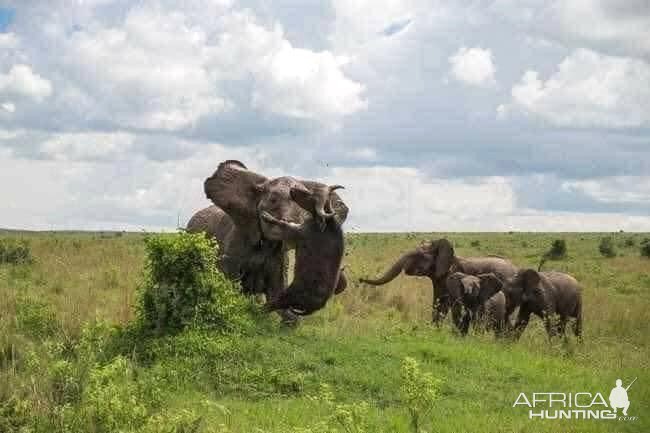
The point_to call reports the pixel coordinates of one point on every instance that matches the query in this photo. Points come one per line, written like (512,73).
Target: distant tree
(558,251)
(606,247)
(645,248)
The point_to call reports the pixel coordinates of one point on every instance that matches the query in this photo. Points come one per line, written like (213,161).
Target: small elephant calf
(548,294)
(480,297)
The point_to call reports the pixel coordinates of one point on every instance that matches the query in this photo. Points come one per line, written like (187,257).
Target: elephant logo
(618,397)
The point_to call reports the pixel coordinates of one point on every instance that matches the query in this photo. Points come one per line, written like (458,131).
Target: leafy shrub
(629,242)
(65,382)
(475,243)
(645,248)
(15,414)
(419,391)
(35,318)
(558,250)
(184,421)
(15,252)
(111,399)
(343,417)
(606,247)
(183,287)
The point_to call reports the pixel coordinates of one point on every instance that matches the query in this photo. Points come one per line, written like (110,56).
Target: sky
(503,115)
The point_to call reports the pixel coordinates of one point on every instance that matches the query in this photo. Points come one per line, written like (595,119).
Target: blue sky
(436,116)
(6,16)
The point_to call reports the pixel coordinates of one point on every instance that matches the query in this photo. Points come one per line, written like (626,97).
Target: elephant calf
(481,298)
(548,294)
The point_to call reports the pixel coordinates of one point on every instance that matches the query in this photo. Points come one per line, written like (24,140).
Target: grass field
(64,348)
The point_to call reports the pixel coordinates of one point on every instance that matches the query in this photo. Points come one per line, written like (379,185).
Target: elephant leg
(276,285)
(561,326)
(467,319)
(522,321)
(457,314)
(341,284)
(577,328)
(550,327)
(440,309)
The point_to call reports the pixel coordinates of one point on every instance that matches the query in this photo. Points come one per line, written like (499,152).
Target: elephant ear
(490,285)
(530,279)
(455,286)
(236,190)
(444,257)
(469,285)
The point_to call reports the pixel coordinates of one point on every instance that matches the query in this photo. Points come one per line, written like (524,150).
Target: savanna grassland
(70,360)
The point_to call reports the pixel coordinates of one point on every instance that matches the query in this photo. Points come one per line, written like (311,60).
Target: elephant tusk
(266,216)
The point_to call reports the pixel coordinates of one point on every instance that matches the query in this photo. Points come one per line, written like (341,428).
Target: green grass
(267,381)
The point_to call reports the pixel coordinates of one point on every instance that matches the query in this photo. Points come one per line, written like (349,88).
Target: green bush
(475,244)
(419,391)
(629,242)
(35,318)
(558,250)
(182,287)
(112,400)
(15,414)
(15,252)
(606,247)
(645,248)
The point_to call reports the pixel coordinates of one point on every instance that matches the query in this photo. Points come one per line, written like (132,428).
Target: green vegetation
(558,250)
(75,356)
(14,251)
(645,248)
(182,287)
(606,247)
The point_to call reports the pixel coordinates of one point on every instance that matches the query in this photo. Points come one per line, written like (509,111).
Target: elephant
(319,251)
(436,260)
(253,220)
(481,299)
(547,294)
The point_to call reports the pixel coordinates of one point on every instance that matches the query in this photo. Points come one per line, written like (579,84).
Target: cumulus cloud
(21,81)
(618,27)
(87,146)
(473,66)
(404,198)
(614,189)
(588,89)
(155,67)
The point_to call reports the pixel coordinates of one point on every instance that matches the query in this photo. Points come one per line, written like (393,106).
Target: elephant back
(211,220)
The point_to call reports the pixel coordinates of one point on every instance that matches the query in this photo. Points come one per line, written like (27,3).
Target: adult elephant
(437,260)
(252,220)
(477,298)
(548,294)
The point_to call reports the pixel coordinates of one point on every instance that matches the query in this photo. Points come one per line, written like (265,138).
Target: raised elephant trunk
(322,201)
(391,273)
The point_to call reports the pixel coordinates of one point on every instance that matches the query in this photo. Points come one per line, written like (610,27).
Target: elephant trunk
(323,205)
(391,273)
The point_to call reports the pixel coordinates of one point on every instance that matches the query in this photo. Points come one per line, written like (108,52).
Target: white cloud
(404,199)
(613,189)
(8,106)
(21,81)
(166,69)
(473,66)
(87,146)
(8,41)
(589,90)
(618,27)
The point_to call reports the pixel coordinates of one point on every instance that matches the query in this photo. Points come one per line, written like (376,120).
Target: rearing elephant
(252,220)
(436,260)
